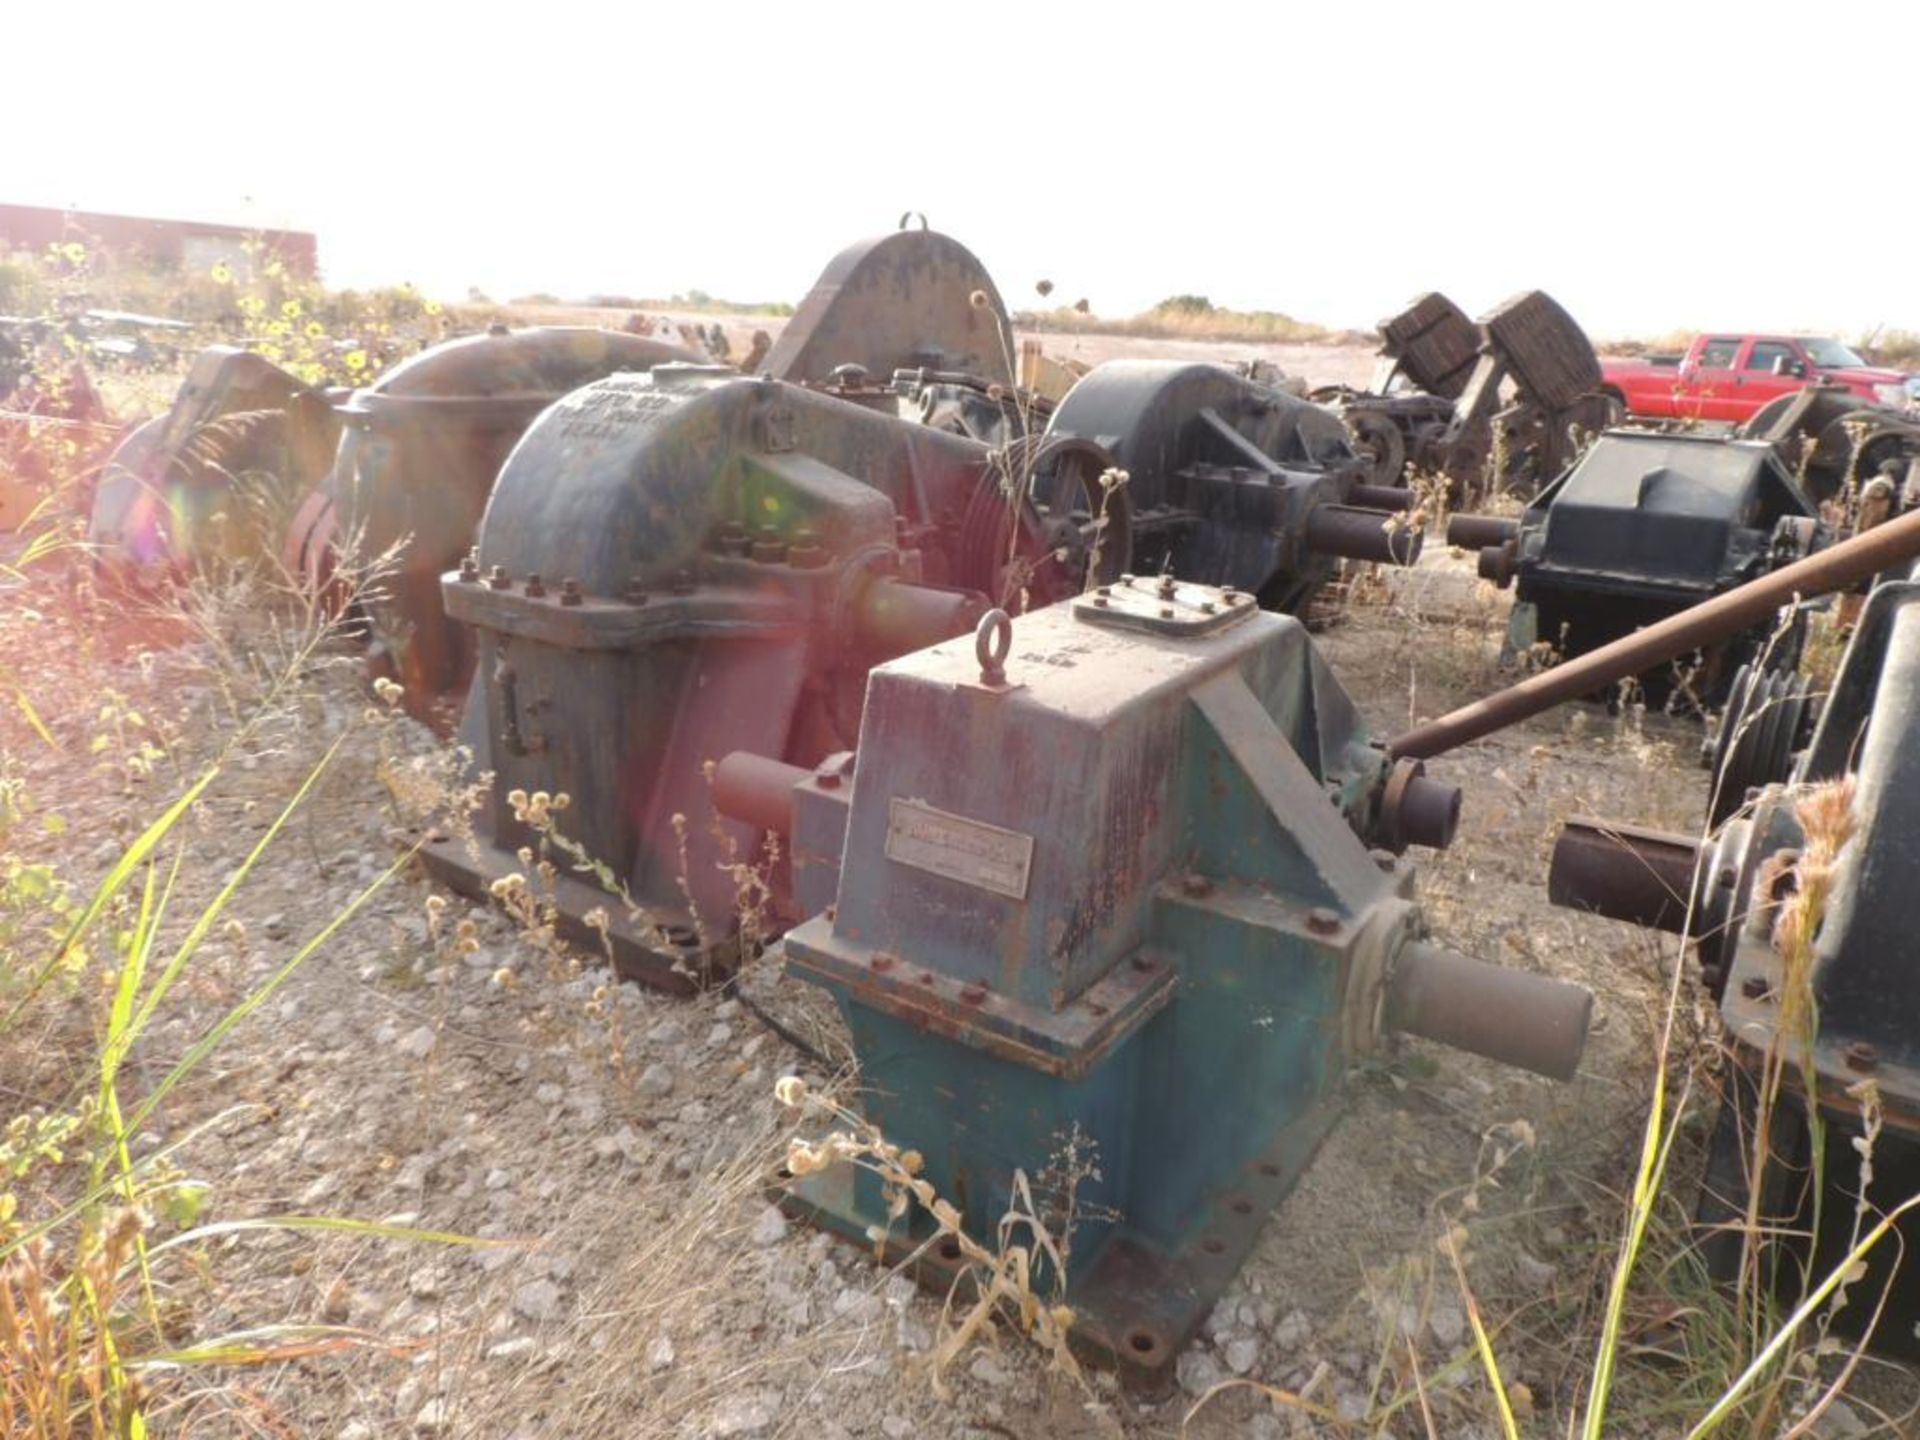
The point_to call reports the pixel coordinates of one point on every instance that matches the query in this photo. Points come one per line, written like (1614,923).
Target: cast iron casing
(1224,473)
(418,459)
(166,501)
(1645,525)
(1865,983)
(1120,894)
(673,567)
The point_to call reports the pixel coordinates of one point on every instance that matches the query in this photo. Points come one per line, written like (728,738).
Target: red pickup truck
(1729,377)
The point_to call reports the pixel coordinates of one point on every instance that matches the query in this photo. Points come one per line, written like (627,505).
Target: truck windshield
(1831,354)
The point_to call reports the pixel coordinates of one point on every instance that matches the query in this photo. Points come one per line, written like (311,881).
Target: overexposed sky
(1653,165)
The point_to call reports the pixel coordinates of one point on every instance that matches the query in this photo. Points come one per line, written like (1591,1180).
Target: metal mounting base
(664,956)
(1140,1305)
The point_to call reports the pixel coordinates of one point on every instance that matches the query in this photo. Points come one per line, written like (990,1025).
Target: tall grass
(101,1232)
(1763,1374)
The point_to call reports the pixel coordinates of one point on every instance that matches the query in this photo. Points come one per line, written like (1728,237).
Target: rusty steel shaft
(1386,498)
(1513,1016)
(1478,532)
(1358,534)
(758,790)
(1865,555)
(1644,877)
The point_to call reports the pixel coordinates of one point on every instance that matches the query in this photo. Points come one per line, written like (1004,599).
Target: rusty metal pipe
(1643,877)
(1390,498)
(1358,534)
(1865,555)
(1513,1016)
(897,617)
(1415,810)
(1477,532)
(757,790)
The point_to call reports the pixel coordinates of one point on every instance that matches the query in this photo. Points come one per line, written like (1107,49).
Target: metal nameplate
(984,856)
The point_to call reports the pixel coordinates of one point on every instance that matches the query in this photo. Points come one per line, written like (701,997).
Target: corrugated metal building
(192,245)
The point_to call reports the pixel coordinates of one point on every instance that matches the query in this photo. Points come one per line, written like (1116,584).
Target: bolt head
(1196,885)
(1322,921)
(1861,1055)
(1754,987)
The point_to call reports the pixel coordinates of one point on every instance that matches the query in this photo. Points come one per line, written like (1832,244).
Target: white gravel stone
(1534,1274)
(660,1353)
(770,1229)
(1243,1353)
(751,1413)
(424,1283)
(1293,1331)
(1839,1421)
(1197,1371)
(989,1371)
(418,1043)
(1220,1322)
(537,1299)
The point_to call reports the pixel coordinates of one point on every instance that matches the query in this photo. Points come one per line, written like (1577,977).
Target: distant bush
(701,303)
(1193,317)
(19,287)
(339,337)
(1672,342)
(1897,348)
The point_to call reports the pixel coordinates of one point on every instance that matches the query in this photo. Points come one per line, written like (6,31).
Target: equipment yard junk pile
(1119,870)
(484,1093)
